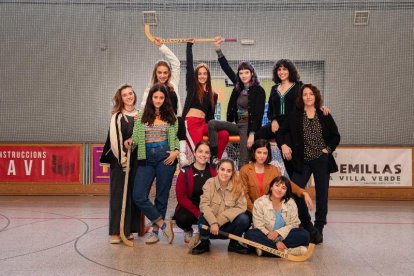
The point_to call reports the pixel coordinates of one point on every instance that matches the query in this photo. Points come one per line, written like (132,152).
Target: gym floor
(68,235)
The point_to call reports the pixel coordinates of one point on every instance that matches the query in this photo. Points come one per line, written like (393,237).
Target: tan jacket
(251,184)
(264,216)
(218,205)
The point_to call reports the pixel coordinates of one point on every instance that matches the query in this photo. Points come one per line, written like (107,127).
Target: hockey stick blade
(151,38)
(270,250)
(124,199)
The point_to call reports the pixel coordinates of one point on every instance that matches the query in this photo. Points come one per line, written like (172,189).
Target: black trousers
(132,213)
(184,219)
(320,169)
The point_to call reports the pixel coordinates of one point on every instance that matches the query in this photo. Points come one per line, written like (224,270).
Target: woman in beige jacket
(276,221)
(223,207)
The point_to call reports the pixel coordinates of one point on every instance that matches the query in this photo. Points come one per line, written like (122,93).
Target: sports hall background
(62,60)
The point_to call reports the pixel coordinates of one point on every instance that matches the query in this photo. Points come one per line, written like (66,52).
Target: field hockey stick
(124,200)
(151,38)
(273,251)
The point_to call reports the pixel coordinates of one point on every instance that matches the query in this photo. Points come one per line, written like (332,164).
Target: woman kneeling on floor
(223,207)
(276,221)
(189,188)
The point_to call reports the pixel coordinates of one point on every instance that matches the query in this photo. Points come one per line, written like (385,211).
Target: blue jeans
(295,238)
(144,177)
(320,169)
(237,227)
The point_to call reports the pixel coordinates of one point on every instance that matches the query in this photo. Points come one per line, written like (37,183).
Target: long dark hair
(166,110)
(199,88)
(285,181)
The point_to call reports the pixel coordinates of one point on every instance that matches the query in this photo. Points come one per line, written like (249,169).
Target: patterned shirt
(156,133)
(243,103)
(313,140)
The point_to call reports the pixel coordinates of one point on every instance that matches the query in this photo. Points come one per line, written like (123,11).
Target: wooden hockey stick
(273,251)
(124,200)
(151,38)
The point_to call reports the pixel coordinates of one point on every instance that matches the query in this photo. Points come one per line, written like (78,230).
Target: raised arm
(175,72)
(224,64)
(175,64)
(190,75)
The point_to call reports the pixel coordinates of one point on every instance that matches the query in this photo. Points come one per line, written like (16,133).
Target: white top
(174,80)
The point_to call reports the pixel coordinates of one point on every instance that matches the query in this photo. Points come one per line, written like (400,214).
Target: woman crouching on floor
(223,207)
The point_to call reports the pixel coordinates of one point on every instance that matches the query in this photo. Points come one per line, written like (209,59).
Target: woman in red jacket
(189,188)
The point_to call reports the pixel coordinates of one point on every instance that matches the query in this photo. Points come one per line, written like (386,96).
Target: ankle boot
(235,246)
(202,246)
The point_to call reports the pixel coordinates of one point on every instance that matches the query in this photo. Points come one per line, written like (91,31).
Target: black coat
(256,100)
(291,134)
(274,112)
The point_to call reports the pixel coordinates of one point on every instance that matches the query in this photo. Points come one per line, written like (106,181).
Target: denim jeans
(295,238)
(237,227)
(320,169)
(154,167)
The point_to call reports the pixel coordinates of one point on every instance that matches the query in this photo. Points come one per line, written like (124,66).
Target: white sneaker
(168,231)
(114,239)
(297,251)
(259,252)
(152,238)
(193,242)
(130,237)
(188,235)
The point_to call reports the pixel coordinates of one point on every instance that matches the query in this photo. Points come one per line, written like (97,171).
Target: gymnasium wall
(62,61)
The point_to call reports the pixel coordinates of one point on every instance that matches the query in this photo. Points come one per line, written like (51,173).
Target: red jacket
(184,190)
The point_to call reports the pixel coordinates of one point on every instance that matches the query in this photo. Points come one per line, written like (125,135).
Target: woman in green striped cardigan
(155,136)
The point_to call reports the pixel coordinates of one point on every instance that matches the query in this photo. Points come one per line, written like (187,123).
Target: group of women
(258,202)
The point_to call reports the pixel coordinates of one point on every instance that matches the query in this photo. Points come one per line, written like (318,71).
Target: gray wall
(62,63)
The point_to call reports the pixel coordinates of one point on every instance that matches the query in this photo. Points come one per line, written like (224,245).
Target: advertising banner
(377,167)
(99,172)
(40,163)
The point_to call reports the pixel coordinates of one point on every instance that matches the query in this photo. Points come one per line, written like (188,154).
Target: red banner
(40,163)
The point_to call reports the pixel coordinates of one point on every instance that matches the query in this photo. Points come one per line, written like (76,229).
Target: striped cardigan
(138,137)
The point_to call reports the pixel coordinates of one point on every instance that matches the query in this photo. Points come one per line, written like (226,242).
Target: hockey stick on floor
(273,251)
(151,38)
(124,200)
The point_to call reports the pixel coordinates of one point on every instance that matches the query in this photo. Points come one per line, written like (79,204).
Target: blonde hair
(235,179)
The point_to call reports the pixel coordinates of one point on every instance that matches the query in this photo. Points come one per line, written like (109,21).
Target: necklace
(200,172)
(132,108)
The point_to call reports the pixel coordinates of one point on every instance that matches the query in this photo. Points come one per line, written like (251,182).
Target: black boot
(315,236)
(203,246)
(235,246)
(319,227)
